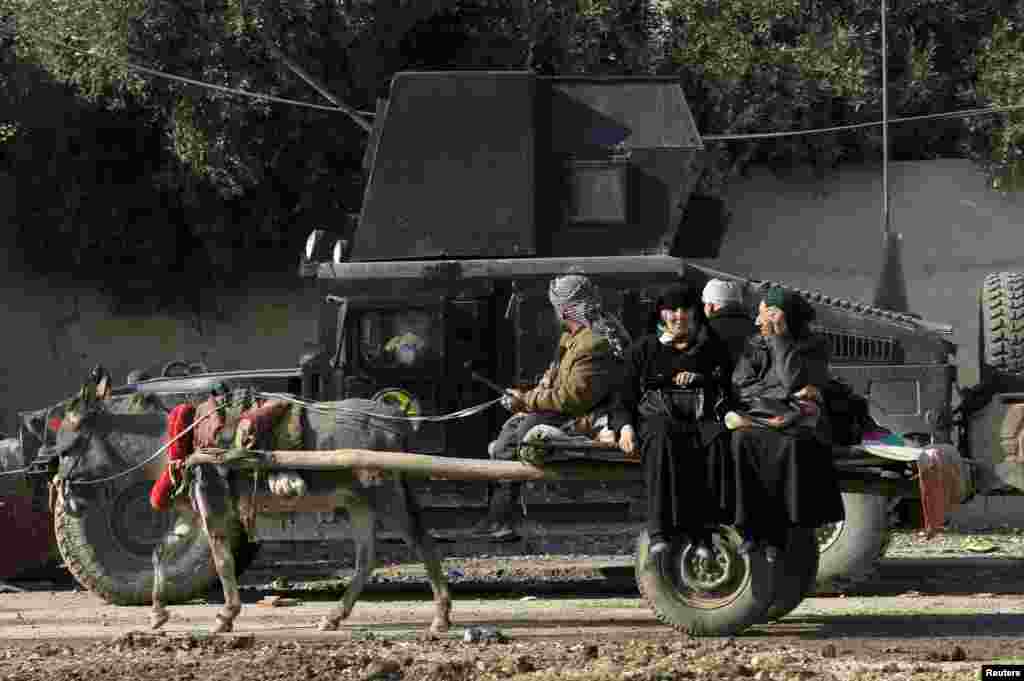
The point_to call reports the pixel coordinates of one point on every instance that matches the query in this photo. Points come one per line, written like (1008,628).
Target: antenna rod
(885,128)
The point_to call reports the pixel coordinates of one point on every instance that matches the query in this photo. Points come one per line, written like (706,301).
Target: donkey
(225,501)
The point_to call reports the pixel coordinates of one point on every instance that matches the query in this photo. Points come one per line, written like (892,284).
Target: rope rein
(317,407)
(158,452)
(321,408)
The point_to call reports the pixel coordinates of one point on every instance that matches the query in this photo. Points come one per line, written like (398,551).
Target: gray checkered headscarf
(577,298)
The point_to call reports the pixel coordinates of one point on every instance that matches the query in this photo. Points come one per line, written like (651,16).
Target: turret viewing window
(598,189)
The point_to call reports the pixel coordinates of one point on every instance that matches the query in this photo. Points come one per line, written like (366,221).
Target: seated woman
(673,379)
(780,468)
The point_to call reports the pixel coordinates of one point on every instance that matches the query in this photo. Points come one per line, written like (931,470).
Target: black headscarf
(687,296)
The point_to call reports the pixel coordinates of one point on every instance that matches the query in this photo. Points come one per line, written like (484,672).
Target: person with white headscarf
(723,307)
(577,384)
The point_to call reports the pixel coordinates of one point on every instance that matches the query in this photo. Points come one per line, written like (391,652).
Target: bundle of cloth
(273,424)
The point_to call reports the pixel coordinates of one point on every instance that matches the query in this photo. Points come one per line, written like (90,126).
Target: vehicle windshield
(398,339)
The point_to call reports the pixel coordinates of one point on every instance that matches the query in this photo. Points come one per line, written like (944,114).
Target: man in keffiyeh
(577,385)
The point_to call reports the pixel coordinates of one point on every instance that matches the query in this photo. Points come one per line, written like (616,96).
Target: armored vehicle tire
(850,549)
(720,596)
(108,547)
(797,570)
(1001,330)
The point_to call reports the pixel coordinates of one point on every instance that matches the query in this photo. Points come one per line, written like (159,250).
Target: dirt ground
(936,615)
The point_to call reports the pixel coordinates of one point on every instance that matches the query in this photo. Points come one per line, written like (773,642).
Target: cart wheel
(716,596)
(796,572)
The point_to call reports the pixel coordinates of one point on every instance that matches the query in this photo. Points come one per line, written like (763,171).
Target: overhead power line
(963,113)
(156,73)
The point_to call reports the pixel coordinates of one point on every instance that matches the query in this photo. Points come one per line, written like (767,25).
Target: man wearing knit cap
(576,385)
(723,306)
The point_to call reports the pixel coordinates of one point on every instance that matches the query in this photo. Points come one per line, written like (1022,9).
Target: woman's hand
(627,442)
(685,378)
(772,322)
(808,392)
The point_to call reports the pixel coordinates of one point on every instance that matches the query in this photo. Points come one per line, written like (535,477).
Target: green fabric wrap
(775,297)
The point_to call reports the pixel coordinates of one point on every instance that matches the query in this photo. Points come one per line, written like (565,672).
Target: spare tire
(107,546)
(1001,330)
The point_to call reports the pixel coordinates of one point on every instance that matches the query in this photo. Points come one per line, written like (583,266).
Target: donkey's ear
(103,389)
(102,385)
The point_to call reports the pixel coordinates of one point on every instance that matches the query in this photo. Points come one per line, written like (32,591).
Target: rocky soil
(246,657)
(939,610)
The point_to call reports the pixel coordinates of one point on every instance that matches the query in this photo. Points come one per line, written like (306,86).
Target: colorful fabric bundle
(940,483)
(257,424)
(288,433)
(180,418)
(208,431)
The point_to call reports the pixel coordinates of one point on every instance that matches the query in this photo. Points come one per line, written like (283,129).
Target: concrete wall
(827,236)
(54,333)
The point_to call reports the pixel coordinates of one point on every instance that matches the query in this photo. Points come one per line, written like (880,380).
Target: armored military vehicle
(483,186)
(551,174)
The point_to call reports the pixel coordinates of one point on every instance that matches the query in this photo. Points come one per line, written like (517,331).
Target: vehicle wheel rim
(707,582)
(134,525)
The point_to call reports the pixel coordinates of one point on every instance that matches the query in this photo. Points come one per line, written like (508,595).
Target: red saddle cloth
(180,418)
(256,424)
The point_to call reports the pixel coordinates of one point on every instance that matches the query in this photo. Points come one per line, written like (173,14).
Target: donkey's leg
(364,534)
(159,616)
(222,546)
(215,503)
(410,523)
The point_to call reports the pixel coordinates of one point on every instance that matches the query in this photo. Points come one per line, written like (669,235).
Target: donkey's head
(101,435)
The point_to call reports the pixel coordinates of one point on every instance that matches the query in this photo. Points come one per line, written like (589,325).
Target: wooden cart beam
(416,465)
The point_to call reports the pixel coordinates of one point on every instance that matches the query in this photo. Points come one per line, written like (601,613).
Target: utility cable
(156,73)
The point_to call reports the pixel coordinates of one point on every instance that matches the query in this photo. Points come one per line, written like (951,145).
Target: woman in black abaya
(781,476)
(673,380)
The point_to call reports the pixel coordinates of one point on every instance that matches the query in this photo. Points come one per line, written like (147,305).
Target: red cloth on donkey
(180,418)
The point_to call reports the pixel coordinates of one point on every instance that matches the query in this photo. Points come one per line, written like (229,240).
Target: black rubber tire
(850,550)
(1001,330)
(749,588)
(112,558)
(798,569)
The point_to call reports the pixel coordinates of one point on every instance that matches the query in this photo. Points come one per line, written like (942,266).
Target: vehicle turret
(478,164)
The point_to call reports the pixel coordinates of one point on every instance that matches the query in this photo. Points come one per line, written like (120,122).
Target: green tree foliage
(757,65)
(227,184)
(999,142)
